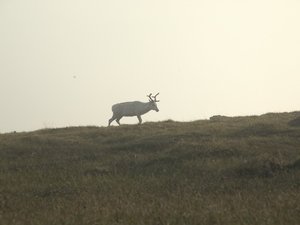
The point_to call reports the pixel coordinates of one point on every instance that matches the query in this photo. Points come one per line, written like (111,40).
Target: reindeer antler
(154,97)
(149,96)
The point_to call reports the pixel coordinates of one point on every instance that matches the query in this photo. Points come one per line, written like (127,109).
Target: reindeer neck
(146,108)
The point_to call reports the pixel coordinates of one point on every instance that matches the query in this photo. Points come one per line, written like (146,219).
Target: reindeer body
(135,108)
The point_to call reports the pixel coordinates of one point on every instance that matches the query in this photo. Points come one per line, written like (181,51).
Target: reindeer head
(152,101)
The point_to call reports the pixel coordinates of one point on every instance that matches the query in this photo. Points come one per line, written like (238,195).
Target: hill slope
(240,170)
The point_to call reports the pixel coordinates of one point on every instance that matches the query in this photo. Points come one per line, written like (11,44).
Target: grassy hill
(239,170)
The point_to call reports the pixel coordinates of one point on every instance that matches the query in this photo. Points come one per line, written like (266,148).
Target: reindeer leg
(111,119)
(140,119)
(118,120)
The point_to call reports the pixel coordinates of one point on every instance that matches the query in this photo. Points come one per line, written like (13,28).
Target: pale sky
(65,62)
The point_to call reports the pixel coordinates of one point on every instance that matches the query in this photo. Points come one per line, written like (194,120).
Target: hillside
(226,170)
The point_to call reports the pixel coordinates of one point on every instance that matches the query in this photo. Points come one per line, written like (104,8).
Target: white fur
(132,109)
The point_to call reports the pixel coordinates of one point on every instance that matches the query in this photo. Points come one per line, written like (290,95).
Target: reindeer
(133,109)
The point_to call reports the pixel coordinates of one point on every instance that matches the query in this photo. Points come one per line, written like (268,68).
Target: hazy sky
(65,62)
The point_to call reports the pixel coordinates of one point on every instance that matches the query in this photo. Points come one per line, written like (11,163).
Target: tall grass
(240,170)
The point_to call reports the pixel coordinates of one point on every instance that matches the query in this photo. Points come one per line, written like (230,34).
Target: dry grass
(242,170)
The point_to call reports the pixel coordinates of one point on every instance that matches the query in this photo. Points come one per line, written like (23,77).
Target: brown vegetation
(239,170)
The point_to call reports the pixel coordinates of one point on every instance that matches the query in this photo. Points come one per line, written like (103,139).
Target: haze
(64,63)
